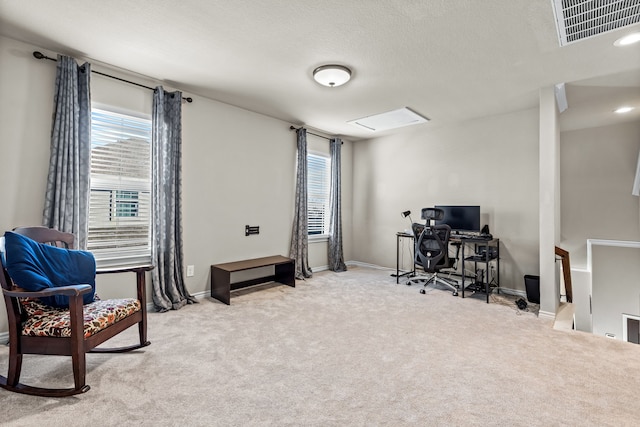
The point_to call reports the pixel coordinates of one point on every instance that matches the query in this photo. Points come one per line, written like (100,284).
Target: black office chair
(432,250)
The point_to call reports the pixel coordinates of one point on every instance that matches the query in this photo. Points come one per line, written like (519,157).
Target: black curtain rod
(40,55)
(310,133)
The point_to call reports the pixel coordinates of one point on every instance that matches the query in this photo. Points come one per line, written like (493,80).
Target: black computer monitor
(461,218)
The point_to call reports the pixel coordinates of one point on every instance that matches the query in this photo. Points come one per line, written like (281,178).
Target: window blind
(318,185)
(119,204)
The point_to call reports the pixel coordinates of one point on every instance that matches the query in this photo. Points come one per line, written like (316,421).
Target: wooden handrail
(566,272)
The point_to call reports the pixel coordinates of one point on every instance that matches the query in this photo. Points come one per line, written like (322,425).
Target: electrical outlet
(190,270)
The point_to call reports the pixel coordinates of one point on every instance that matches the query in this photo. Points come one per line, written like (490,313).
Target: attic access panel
(581,19)
(389,120)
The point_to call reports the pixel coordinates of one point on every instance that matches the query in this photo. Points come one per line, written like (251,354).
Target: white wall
(238,167)
(491,162)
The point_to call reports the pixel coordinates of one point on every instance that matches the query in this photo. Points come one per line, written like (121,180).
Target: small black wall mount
(251,229)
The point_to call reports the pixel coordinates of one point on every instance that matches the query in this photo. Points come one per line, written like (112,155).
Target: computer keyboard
(463,236)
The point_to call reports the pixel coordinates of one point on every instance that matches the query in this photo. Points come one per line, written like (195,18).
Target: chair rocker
(36,328)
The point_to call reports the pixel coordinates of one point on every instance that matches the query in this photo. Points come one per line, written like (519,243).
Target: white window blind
(318,186)
(119,205)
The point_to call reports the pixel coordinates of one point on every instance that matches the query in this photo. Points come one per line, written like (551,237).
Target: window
(126,203)
(318,185)
(119,203)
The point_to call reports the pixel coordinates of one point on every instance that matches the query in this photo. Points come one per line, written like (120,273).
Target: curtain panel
(335,255)
(299,249)
(167,278)
(66,205)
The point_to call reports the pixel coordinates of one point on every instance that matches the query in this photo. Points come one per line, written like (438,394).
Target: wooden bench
(221,285)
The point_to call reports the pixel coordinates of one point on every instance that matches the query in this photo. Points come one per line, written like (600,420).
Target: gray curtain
(167,278)
(336,257)
(66,205)
(299,250)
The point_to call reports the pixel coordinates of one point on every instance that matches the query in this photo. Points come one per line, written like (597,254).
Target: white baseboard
(514,292)
(546,315)
(364,264)
(202,295)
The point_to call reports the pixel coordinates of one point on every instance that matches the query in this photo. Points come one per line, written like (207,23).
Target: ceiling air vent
(581,19)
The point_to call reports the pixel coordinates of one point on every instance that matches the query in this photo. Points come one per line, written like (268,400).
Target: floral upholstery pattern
(43,320)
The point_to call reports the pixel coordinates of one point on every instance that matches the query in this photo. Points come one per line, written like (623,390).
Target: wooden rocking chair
(35,328)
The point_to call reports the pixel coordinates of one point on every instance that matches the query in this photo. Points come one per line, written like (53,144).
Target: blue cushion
(35,266)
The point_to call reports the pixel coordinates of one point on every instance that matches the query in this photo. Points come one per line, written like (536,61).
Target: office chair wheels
(422,291)
(455,294)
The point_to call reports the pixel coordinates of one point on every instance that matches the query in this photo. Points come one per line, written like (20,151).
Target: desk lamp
(404,215)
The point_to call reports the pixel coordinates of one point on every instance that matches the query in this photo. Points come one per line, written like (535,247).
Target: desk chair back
(432,245)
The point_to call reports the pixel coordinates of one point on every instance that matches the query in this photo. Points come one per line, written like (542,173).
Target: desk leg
(463,274)
(487,260)
(397,259)
(498,267)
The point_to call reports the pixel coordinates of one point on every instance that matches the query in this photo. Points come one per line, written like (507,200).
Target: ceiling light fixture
(628,39)
(623,110)
(332,75)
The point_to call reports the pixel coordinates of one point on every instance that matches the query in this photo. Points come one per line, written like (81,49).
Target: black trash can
(532,285)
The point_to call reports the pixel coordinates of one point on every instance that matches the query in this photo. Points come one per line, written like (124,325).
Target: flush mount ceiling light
(628,39)
(332,75)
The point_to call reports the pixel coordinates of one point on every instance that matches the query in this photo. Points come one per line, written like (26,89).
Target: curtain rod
(40,55)
(311,133)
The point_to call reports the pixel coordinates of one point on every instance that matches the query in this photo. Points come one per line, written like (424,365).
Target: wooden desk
(221,285)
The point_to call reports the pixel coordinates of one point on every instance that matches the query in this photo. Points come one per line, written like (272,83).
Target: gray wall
(597,171)
(491,162)
(615,287)
(598,167)
(238,167)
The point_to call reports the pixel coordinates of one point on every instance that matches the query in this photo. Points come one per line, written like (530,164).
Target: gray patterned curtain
(66,204)
(167,278)
(299,250)
(336,257)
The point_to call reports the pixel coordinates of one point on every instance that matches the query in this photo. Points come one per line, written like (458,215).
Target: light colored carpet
(345,349)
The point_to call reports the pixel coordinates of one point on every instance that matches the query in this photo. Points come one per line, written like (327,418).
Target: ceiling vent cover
(581,19)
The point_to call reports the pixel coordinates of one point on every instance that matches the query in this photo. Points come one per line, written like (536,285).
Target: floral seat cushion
(43,320)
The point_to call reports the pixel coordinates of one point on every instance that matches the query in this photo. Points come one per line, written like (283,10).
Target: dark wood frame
(566,271)
(221,285)
(76,345)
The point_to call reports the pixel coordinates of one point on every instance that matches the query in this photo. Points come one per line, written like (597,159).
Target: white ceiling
(449,60)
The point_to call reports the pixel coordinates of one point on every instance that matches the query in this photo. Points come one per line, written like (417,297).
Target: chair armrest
(136,269)
(140,279)
(71,290)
